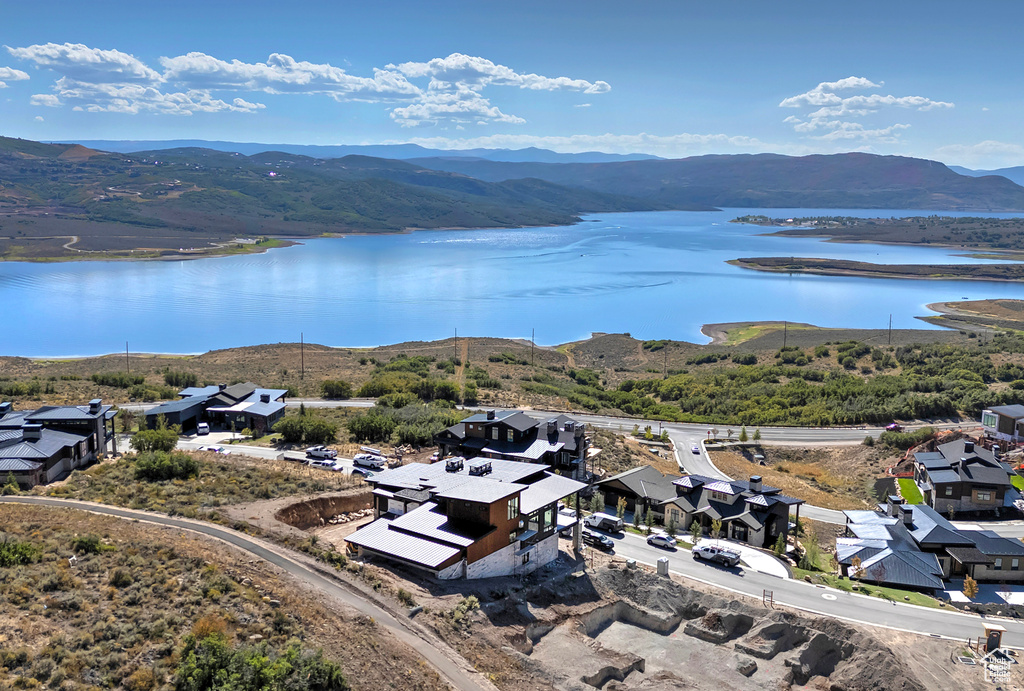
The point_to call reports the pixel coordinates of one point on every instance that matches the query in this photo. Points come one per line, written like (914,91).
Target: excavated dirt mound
(313,513)
(648,632)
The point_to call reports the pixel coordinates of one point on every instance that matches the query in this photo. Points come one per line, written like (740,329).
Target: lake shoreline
(837,267)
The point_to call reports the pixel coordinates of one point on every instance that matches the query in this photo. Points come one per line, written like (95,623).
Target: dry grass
(620,453)
(832,477)
(222,481)
(80,627)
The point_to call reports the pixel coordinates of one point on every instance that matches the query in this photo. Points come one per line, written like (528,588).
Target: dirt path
(451,666)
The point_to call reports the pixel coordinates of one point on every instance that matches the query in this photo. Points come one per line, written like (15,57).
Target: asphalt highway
(456,674)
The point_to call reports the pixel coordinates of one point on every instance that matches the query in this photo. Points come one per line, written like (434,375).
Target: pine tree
(648,520)
(757,434)
(743,434)
(780,546)
(695,531)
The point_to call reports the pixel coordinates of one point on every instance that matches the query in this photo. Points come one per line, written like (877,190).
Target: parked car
(362,472)
(604,521)
(598,541)
(368,460)
(720,555)
(322,463)
(695,449)
(435,457)
(202,428)
(661,540)
(321,452)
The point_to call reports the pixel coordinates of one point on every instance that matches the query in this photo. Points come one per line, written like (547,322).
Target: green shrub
(180,380)
(155,440)
(13,553)
(335,388)
(157,466)
(120,380)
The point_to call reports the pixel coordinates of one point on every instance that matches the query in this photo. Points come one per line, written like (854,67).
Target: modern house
(645,488)
(1005,423)
(962,476)
(750,512)
(913,546)
(559,442)
(242,406)
(476,518)
(43,445)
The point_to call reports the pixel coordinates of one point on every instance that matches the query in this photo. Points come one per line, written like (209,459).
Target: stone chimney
(222,386)
(907,514)
(552,425)
(755,484)
(31,432)
(894,503)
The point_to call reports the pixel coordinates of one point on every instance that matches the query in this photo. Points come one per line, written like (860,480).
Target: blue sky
(932,79)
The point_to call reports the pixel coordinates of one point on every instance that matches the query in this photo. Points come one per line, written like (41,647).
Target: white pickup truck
(321,452)
(723,556)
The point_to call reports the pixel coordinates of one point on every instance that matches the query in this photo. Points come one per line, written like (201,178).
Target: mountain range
(836,181)
(206,195)
(398,151)
(1014,174)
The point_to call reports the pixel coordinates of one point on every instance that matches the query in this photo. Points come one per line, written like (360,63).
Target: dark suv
(599,541)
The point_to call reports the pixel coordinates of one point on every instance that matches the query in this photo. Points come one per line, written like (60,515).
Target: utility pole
(302,355)
(890,330)
(127,363)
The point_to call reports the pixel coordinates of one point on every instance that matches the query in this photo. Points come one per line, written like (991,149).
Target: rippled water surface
(655,275)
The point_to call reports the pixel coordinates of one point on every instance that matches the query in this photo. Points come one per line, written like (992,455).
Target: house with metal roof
(963,476)
(749,511)
(242,406)
(913,546)
(477,518)
(42,445)
(643,488)
(1005,422)
(559,442)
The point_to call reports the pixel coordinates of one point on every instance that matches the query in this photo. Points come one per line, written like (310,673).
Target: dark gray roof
(645,481)
(968,555)
(50,443)
(991,544)
(178,406)
(930,528)
(50,413)
(547,491)
(953,463)
(18,465)
(1014,411)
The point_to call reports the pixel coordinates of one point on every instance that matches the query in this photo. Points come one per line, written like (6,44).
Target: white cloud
(459,71)
(448,89)
(48,100)
(84,64)
(39,118)
(582,105)
(833,117)
(460,106)
(11,74)
(985,155)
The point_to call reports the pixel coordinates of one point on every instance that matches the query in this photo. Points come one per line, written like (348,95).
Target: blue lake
(655,275)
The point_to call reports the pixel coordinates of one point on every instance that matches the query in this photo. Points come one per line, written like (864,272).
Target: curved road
(460,676)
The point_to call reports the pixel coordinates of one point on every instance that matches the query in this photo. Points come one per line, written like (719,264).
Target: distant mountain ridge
(395,151)
(837,181)
(1014,174)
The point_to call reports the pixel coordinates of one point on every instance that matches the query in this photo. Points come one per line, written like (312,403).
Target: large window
(984,496)
(513,508)
(511,435)
(949,490)
(549,519)
(999,564)
(494,434)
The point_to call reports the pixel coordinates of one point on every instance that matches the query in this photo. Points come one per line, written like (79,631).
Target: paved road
(451,670)
(860,609)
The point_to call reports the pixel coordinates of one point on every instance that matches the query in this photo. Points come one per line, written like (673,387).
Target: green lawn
(1018,482)
(909,490)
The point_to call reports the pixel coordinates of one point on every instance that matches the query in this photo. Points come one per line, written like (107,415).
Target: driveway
(753,559)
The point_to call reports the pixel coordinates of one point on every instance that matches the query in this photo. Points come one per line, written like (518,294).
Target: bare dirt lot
(835,477)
